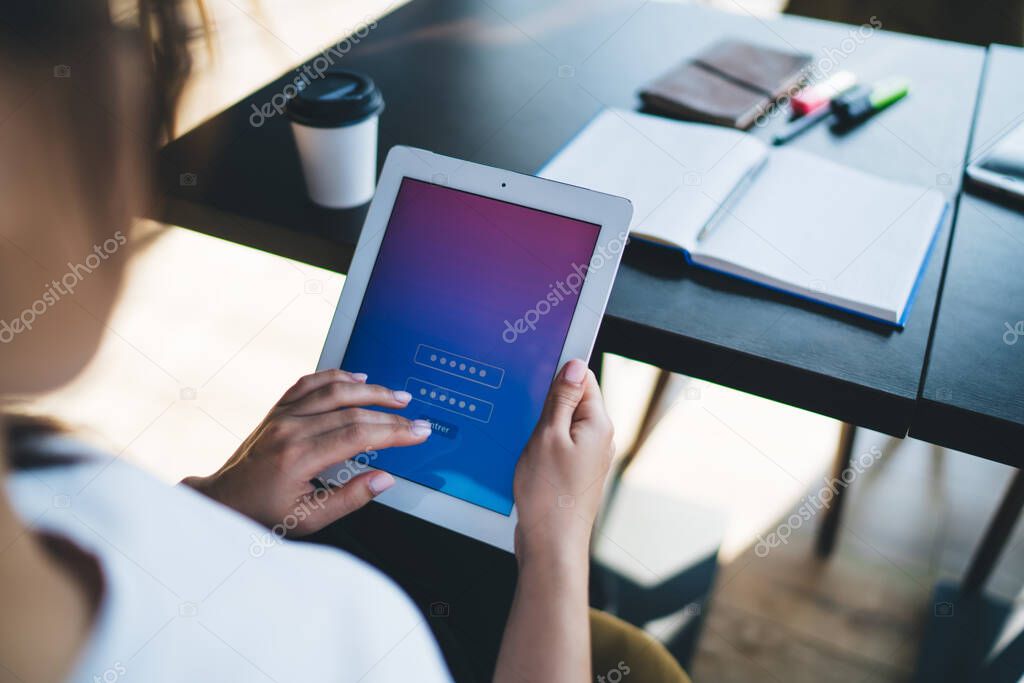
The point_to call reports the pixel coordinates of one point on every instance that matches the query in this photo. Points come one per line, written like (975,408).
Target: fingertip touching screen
(467,308)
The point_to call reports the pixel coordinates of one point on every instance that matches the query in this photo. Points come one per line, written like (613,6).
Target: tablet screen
(467,309)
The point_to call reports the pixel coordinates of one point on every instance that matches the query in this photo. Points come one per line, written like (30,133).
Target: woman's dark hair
(83,42)
(64,34)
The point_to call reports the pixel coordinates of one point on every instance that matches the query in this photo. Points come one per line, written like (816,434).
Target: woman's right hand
(560,477)
(326,419)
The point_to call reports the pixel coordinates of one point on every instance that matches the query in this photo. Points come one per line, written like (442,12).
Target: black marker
(863,101)
(802,124)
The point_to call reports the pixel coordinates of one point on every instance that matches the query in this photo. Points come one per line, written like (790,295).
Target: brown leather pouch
(729,84)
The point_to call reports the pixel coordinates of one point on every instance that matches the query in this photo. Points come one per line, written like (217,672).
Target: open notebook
(779,217)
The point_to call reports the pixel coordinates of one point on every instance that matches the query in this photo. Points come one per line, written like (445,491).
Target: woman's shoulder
(173,557)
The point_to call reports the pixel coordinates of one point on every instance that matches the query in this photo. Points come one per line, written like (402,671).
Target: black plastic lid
(338,98)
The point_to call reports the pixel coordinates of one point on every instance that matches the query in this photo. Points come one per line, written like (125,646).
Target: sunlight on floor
(745,456)
(254,41)
(206,337)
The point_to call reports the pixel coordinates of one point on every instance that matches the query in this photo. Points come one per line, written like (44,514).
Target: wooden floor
(914,517)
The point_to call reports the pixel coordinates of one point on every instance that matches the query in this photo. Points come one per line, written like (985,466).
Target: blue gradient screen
(467,308)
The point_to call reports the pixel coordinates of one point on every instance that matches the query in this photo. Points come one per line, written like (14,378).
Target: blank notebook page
(676,174)
(828,232)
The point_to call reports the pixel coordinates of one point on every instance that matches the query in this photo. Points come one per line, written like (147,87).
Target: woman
(105,573)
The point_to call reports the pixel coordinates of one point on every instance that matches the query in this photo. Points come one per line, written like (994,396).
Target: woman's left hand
(319,423)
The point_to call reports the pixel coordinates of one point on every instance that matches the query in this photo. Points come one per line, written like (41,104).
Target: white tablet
(470,287)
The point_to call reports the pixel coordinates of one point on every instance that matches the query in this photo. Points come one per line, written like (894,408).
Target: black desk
(507,82)
(972,398)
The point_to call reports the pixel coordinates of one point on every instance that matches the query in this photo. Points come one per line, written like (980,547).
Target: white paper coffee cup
(334,120)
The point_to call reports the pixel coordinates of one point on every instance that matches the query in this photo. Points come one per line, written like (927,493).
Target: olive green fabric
(621,652)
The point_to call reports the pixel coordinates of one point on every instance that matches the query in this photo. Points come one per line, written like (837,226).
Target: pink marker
(814,97)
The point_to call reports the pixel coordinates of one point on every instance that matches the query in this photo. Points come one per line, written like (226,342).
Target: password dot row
(471,369)
(445,398)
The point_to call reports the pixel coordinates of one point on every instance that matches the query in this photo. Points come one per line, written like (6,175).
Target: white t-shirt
(196,592)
